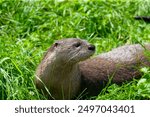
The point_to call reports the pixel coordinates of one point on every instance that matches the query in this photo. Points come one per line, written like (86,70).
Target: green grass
(28,28)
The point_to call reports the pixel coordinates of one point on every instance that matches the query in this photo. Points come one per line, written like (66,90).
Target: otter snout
(91,47)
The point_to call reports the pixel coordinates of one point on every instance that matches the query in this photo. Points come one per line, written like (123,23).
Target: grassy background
(28,28)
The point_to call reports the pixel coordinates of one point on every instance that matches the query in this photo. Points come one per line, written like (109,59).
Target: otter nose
(91,47)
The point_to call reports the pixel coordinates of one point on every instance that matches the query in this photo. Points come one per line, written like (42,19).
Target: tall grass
(28,28)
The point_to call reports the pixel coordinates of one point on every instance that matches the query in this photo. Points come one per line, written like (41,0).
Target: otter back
(117,66)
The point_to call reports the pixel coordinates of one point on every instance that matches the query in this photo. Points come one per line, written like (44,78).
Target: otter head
(72,50)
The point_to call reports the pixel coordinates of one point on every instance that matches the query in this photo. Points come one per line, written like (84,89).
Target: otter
(67,69)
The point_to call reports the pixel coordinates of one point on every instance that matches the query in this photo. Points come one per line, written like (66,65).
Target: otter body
(65,72)
(117,66)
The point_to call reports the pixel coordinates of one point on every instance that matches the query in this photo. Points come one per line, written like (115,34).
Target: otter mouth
(87,56)
(89,53)
(82,56)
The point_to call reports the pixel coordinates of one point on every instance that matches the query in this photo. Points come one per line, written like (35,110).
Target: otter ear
(56,44)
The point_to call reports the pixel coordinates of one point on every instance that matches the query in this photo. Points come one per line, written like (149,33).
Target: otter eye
(77,44)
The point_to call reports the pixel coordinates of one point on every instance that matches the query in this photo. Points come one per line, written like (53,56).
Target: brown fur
(117,66)
(65,78)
